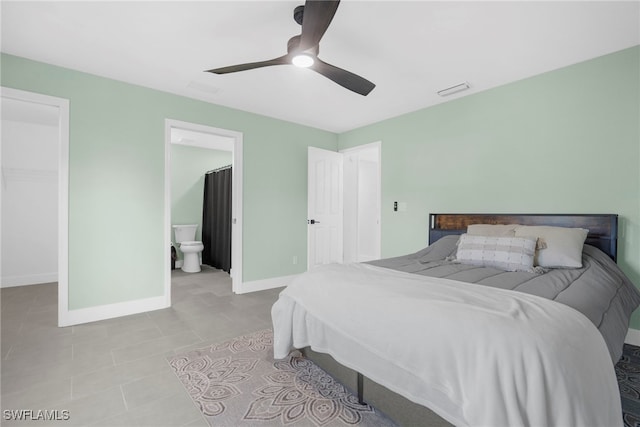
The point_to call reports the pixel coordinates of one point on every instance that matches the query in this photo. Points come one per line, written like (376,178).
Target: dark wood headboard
(603,228)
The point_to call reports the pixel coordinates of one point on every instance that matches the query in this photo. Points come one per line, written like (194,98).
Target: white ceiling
(409,49)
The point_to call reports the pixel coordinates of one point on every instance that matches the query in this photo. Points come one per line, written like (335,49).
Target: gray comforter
(599,289)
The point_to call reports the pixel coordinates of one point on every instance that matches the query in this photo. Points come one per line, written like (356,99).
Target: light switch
(402,206)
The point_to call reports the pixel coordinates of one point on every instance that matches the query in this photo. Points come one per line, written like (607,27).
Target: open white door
(325,214)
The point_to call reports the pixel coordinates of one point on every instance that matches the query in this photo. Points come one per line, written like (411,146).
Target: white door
(325,214)
(368,240)
(362,203)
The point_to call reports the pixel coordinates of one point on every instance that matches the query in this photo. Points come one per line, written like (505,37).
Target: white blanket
(475,355)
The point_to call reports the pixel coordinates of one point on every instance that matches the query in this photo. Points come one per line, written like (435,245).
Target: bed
(434,338)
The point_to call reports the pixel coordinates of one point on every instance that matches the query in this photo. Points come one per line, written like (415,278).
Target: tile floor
(114,372)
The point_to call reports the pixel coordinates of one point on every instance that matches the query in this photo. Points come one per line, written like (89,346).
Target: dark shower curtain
(216,219)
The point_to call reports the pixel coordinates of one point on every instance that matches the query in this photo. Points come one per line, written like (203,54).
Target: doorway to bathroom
(191,152)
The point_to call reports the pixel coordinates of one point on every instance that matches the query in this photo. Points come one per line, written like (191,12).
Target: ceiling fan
(302,50)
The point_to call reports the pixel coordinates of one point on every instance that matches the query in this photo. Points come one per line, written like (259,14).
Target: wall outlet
(295,260)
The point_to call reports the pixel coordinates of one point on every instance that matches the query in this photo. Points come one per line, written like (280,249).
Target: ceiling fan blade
(315,20)
(251,65)
(344,78)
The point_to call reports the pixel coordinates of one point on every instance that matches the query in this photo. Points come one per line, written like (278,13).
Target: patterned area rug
(628,373)
(238,383)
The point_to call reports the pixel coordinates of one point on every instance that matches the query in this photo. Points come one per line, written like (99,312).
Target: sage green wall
(116,188)
(188,167)
(566,141)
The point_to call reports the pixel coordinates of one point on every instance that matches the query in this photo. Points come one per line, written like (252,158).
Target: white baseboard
(29,279)
(109,311)
(633,337)
(264,284)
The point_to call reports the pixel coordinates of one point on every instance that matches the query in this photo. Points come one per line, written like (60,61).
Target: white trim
(167,212)
(218,142)
(236,215)
(264,284)
(30,279)
(633,337)
(110,311)
(63,189)
(376,144)
(235,146)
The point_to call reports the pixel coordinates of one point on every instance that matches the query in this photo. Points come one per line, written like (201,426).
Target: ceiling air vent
(454,89)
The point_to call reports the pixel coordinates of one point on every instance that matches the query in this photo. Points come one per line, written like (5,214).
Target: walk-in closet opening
(34,189)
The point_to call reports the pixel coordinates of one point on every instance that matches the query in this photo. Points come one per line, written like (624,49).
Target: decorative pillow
(558,247)
(492,229)
(504,253)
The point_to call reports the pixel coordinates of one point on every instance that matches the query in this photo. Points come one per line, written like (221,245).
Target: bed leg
(360,387)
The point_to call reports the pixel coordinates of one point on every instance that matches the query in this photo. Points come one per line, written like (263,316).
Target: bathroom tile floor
(114,372)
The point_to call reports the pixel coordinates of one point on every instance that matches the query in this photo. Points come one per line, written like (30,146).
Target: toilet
(189,246)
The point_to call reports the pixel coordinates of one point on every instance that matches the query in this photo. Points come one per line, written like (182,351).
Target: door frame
(236,195)
(63,189)
(378,146)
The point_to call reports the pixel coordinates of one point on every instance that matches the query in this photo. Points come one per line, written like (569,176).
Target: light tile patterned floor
(114,372)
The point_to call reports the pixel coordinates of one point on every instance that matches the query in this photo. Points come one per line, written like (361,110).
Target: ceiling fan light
(302,60)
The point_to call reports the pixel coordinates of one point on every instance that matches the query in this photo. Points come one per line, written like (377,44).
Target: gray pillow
(504,253)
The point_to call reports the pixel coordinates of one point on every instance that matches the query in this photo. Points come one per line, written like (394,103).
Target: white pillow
(558,247)
(492,229)
(505,253)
